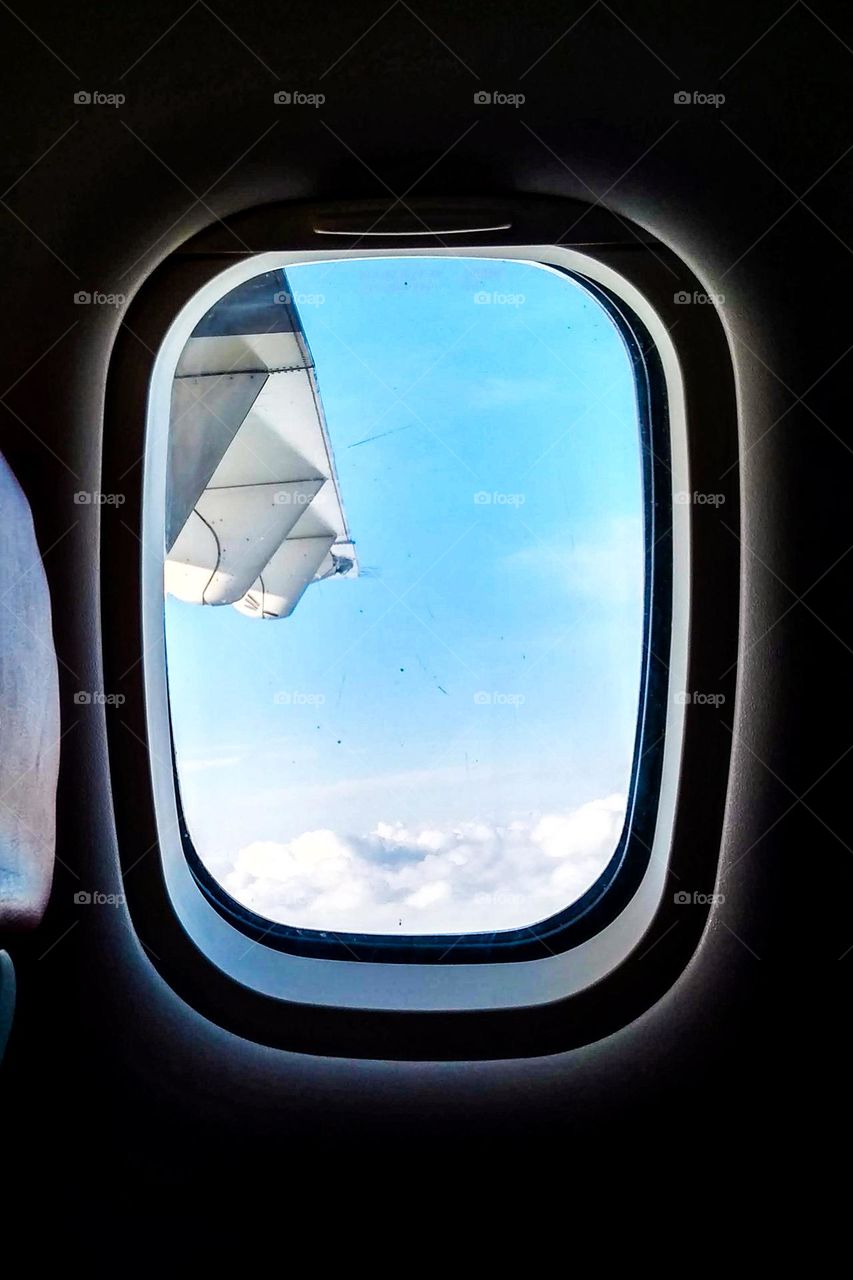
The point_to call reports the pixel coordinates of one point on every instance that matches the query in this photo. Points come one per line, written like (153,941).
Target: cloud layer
(472,877)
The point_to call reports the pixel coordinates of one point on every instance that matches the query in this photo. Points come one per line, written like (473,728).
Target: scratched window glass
(404,592)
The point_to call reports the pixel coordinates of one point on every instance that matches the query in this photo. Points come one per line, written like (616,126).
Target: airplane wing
(254,511)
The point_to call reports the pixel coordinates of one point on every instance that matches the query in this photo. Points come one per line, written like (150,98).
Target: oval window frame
(504,1014)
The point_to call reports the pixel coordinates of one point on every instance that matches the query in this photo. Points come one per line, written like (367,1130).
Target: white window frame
(351,984)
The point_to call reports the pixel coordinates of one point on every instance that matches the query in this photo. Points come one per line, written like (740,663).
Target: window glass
(404,593)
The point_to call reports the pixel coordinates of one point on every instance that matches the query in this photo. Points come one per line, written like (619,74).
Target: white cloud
(202,764)
(468,878)
(496,392)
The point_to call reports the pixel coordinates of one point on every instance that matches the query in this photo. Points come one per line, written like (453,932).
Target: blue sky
(445,741)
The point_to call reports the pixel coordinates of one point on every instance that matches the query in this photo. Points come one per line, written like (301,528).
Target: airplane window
(405,585)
